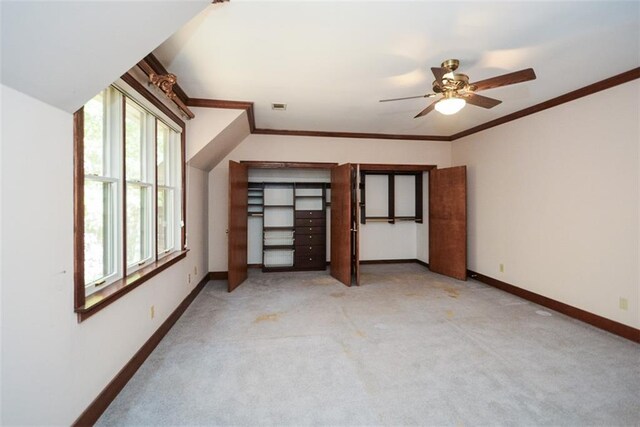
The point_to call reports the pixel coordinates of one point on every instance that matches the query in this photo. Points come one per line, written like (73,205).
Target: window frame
(87,304)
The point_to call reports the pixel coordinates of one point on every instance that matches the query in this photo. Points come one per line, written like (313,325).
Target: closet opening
(288,212)
(291,216)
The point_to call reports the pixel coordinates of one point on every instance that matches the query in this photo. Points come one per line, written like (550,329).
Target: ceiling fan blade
(439,73)
(428,95)
(505,79)
(481,101)
(427,110)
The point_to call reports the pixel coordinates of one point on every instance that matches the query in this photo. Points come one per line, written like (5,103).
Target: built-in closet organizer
(311,232)
(293,223)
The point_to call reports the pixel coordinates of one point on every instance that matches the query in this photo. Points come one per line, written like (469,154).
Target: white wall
(555,198)
(53,366)
(318,149)
(82,45)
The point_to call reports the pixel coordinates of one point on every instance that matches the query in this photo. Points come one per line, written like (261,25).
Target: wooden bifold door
(237,231)
(345,265)
(448,222)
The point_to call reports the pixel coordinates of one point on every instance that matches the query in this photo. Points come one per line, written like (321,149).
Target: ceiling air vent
(277,106)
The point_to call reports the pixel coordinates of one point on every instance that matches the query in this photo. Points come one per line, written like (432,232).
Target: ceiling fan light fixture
(450,105)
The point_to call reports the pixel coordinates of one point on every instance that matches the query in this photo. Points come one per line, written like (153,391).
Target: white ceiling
(332,61)
(65,52)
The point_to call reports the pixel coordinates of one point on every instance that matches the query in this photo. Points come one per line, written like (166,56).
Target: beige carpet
(408,347)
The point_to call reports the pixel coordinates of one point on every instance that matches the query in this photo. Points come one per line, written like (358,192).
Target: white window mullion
(176,182)
(116,170)
(151,179)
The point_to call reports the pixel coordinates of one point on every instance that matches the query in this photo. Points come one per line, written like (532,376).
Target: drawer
(309,214)
(301,231)
(311,250)
(310,239)
(310,261)
(310,222)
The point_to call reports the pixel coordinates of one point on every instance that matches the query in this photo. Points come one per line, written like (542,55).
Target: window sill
(102,298)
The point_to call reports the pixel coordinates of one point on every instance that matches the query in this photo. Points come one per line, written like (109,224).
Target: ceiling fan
(457,91)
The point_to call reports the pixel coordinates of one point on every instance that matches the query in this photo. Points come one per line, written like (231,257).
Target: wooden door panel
(355,220)
(237,232)
(448,221)
(341,223)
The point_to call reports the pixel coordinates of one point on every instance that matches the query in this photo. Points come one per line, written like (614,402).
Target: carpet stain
(347,350)
(361,334)
(268,317)
(450,314)
(452,292)
(337,294)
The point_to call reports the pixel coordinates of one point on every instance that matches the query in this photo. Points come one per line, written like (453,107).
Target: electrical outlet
(501,268)
(624,304)
(153,311)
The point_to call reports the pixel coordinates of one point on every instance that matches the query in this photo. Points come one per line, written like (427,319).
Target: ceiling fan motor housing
(451,64)
(459,82)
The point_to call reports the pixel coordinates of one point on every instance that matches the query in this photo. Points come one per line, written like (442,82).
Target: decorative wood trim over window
(137,195)
(158,68)
(166,83)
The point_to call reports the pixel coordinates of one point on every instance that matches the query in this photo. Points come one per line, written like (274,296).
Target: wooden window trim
(102,298)
(87,306)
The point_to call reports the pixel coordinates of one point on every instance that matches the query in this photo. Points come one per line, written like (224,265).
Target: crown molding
(601,85)
(351,135)
(220,103)
(554,102)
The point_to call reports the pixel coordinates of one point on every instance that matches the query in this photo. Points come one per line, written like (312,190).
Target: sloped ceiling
(214,134)
(64,52)
(332,61)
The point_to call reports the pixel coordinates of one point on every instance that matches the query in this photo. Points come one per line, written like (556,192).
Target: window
(130,213)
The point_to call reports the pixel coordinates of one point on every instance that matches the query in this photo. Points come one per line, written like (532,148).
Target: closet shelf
(277,247)
(279,206)
(279,227)
(391,218)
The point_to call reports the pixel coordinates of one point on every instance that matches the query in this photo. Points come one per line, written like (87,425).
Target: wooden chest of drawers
(310,240)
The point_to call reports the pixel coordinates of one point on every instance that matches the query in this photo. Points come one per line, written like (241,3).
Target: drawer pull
(310,259)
